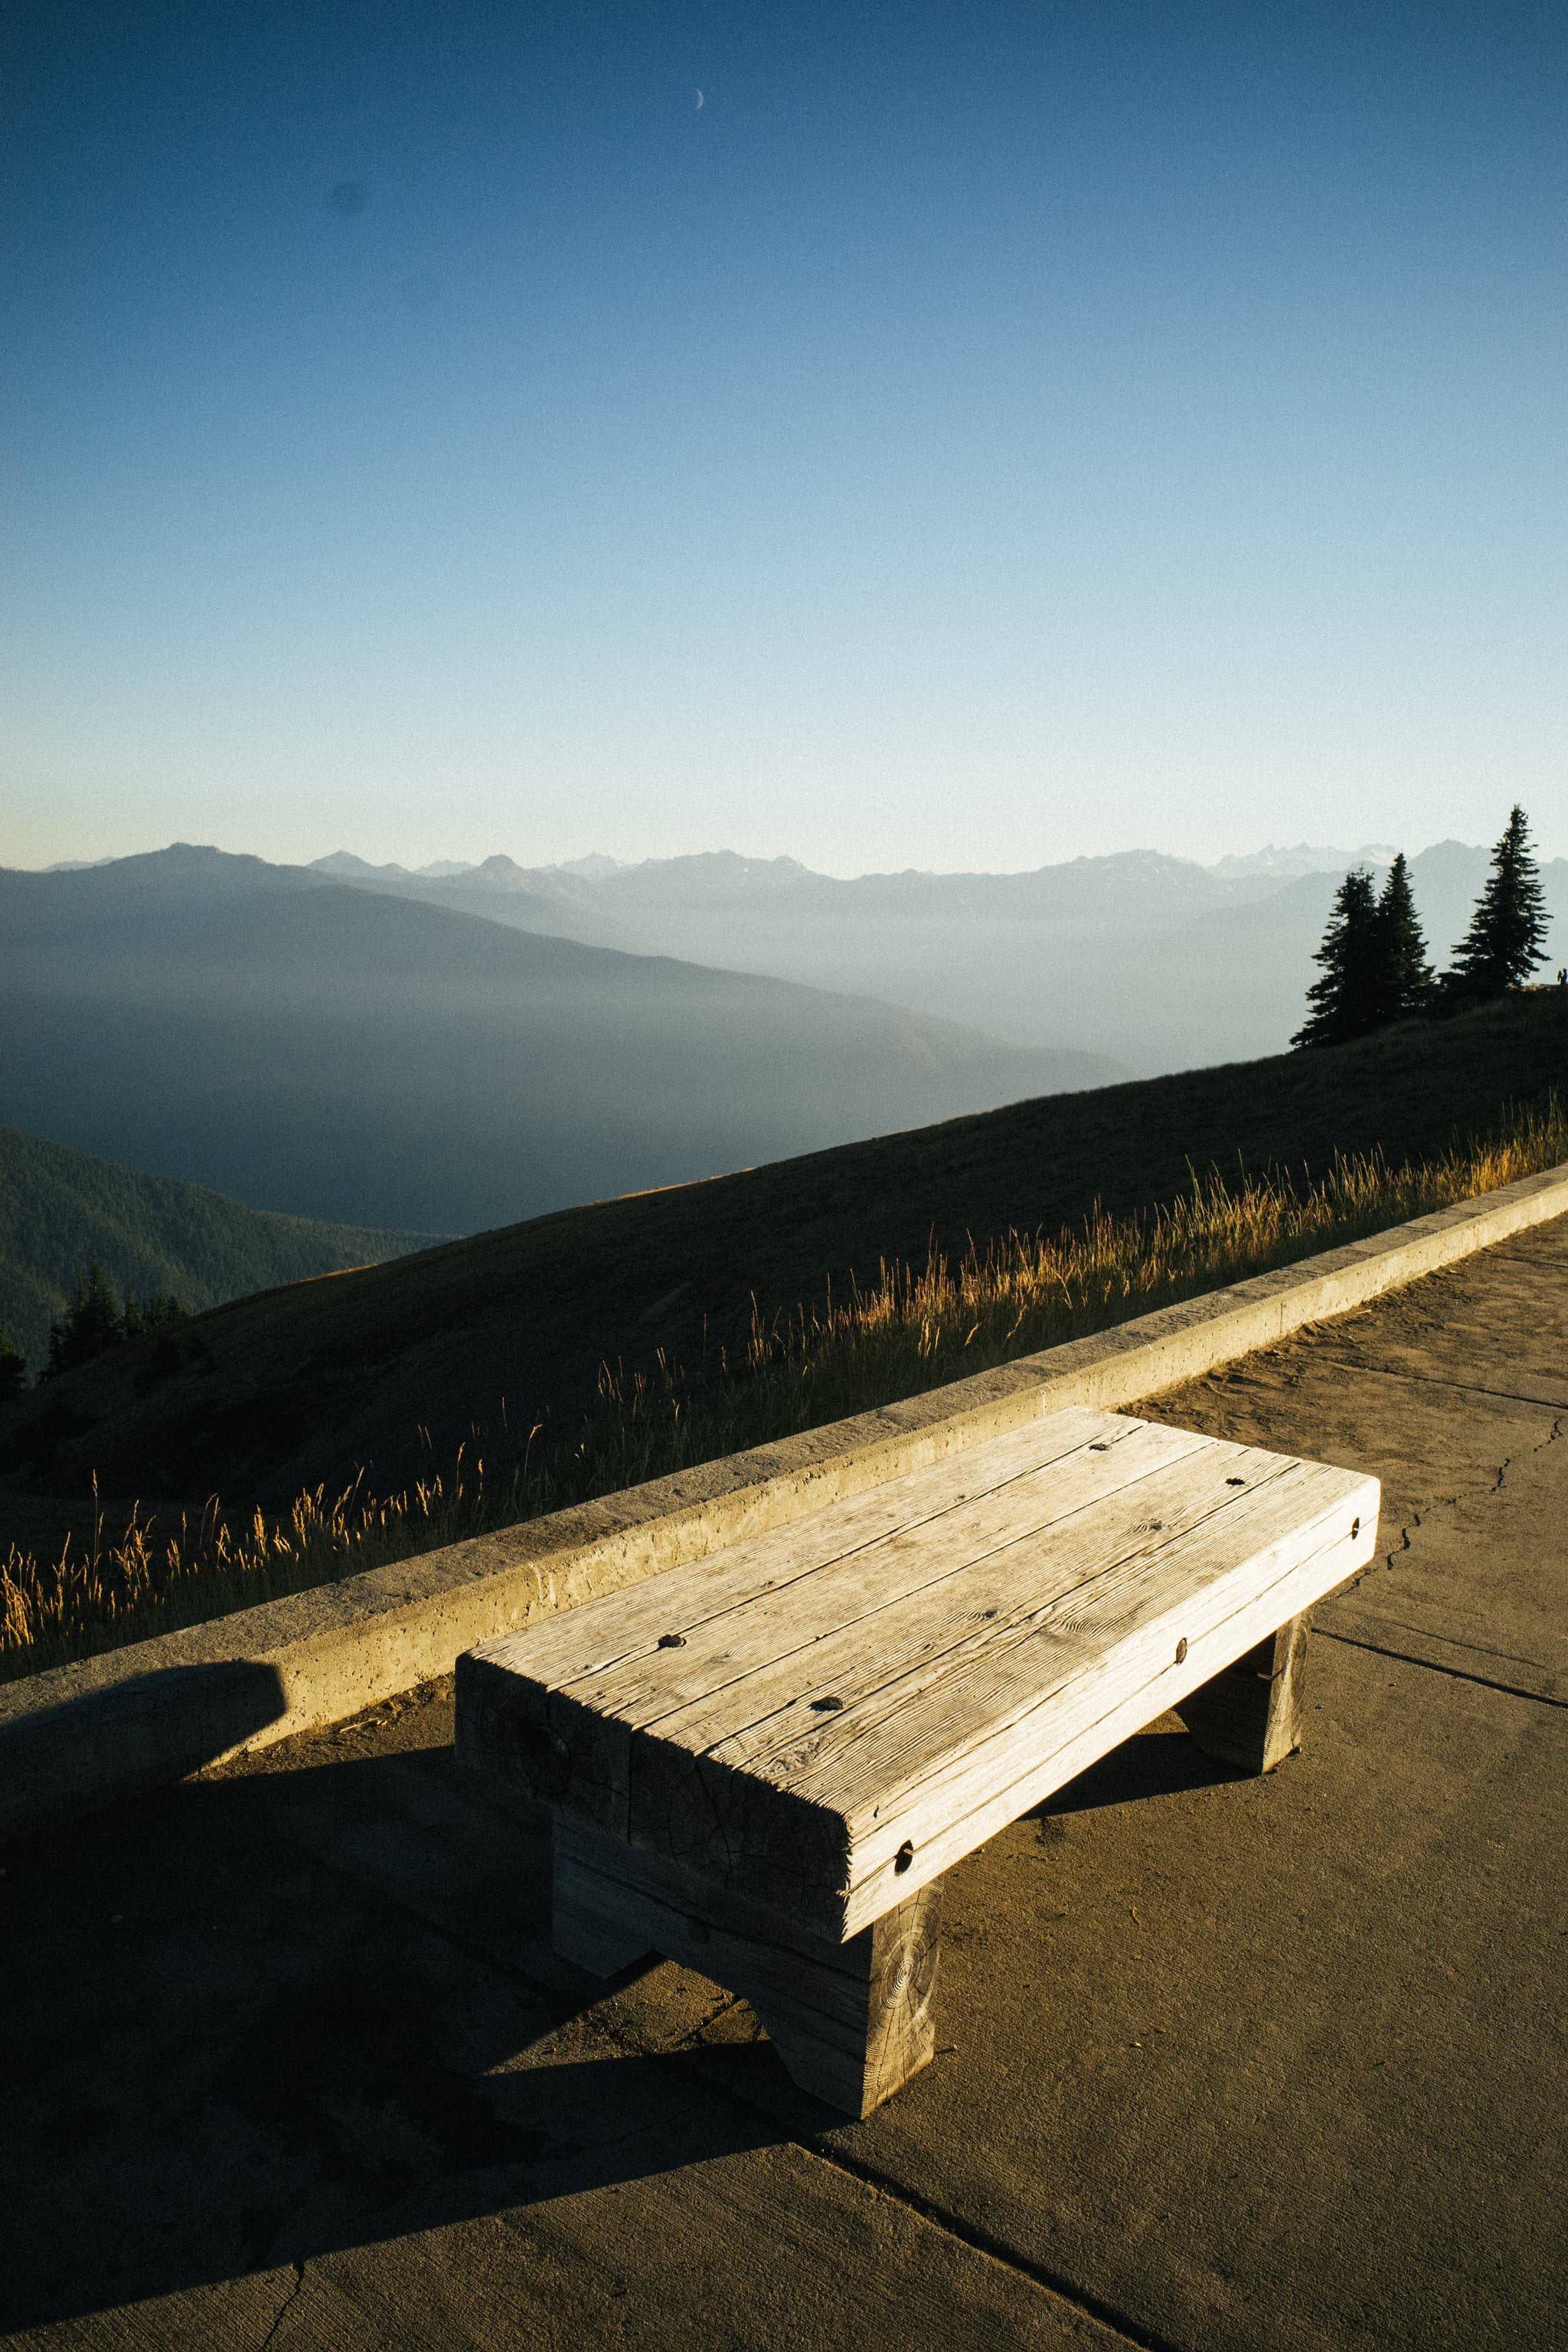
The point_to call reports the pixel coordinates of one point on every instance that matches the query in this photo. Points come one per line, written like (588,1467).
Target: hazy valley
(1154,961)
(375,1060)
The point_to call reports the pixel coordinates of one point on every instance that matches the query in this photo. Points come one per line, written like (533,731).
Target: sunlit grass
(912,1329)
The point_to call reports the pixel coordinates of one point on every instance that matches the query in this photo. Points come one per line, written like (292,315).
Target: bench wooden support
(1251,1714)
(851,2021)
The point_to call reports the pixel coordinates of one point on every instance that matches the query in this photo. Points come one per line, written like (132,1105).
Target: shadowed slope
(308,1383)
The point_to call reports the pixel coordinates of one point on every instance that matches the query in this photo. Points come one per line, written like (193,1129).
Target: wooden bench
(762,1762)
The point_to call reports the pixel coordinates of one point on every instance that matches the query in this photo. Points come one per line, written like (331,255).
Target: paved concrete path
(1275,2066)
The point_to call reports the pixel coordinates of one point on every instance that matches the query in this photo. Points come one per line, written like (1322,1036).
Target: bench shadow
(251,2020)
(1165,1760)
(137,1732)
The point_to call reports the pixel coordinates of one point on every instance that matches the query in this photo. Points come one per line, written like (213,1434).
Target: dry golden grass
(911,1330)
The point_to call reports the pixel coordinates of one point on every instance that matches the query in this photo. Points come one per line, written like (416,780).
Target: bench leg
(854,2024)
(851,2022)
(1251,1714)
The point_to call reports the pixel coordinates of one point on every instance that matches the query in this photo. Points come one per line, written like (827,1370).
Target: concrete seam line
(985,2241)
(688,2055)
(1436,1666)
(158,1709)
(1459,1387)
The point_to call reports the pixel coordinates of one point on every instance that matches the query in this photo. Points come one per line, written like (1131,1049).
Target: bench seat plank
(594,1639)
(849,1606)
(823,1719)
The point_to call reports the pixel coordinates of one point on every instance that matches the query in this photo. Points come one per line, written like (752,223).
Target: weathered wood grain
(1251,1714)
(852,2020)
(825,1718)
(667,1640)
(623,1664)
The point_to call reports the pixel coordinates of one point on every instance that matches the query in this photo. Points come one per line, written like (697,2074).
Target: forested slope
(60,1208)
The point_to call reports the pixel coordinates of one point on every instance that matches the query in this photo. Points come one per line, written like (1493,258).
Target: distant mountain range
(60,1209)
(1155,961)
(1306,858)
(365,1057)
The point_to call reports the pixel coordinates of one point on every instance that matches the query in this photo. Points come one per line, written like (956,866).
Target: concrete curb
(84,1734)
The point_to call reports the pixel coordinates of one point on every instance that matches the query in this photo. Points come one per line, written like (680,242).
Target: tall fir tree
(1506,938)
(95,1322)
(91,1325)
(1404,982)
(1345,1001)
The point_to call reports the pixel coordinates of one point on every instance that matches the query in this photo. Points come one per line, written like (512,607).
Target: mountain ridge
(293,1042)
(1114,954)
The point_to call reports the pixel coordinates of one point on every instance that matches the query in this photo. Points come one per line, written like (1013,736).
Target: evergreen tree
(92,1324)
(95,1322)
(13,1368)
(160,1312)
(1404,982)
(1506,938)
(1345,1001)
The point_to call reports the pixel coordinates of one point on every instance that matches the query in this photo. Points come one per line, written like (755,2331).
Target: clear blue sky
(972,436)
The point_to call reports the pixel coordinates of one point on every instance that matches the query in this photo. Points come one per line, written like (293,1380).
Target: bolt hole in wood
(1236,1482)
(1180,1649)
(672,1641)
(904,1856)
(826,1705)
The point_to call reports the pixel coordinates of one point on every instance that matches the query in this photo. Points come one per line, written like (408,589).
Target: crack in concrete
(287,2305)
(1389,1558)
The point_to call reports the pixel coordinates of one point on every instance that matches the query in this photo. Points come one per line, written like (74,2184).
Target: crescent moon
(700,98)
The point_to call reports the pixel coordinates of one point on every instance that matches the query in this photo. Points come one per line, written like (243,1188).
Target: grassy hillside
(59,1208)
(371,1059)
(390,1368)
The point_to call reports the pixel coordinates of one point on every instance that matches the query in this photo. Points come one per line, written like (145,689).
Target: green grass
(913,1330)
